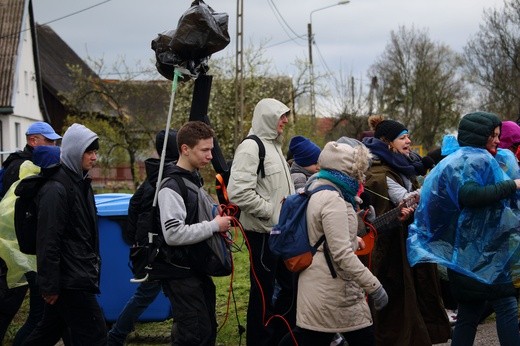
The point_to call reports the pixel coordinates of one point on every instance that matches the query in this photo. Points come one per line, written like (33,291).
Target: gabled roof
(55,56)
(11,14)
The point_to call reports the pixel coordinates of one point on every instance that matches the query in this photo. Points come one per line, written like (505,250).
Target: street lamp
(311,65)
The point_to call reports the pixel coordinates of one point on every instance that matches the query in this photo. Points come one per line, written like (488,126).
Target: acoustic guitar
(382,223)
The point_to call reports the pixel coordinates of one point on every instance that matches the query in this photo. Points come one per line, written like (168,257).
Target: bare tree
(421,84)
(493,60)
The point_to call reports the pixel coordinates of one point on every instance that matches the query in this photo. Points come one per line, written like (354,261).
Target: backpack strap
(323,240)
(261,154)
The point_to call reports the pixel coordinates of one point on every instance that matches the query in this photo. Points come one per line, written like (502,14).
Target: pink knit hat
(509,135)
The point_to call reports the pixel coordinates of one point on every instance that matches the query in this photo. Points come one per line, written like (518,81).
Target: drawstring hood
(75,141)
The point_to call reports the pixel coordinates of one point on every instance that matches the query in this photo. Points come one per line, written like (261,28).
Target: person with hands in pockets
(328,305)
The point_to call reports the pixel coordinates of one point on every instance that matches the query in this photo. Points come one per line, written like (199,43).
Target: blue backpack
(289,238)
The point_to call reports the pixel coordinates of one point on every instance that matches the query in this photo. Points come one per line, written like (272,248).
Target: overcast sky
(348,37)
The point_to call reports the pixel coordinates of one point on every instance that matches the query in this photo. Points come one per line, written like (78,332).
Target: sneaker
(338,340)
(452,316)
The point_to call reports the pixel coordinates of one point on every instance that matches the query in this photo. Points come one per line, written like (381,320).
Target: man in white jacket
(259,199)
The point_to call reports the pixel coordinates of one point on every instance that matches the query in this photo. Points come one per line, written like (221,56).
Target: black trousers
(76,310)
(193,308)
(266,268)
(9,305)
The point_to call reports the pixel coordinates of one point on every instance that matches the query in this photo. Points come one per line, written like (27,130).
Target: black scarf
(409,166)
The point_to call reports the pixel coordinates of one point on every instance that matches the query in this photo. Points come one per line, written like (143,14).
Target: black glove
(428,162)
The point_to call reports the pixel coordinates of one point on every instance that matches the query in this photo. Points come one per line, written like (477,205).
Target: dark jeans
(193,307)
(144,296)
(36,306)
(306,337)
(10,303)
(265,269)
(469,314)
(76,310)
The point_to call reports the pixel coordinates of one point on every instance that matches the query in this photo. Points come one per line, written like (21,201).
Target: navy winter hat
(475,129)
(305,152)
(389,129)
(172,152)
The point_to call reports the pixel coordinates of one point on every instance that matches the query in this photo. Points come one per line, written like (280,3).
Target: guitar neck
(386,218)
(392,214)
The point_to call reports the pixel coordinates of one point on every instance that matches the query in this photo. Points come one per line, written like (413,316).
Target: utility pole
(311,65)
(311,70)
(239,74)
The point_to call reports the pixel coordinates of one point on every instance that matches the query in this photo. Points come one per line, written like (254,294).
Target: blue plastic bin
(116,288)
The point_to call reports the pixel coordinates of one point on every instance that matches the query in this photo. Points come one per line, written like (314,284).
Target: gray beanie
(351,160)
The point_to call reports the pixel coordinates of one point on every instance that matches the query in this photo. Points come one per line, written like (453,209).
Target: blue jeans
(468,318)
(144,296)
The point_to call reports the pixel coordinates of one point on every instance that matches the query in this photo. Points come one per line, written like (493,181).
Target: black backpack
(26,208)
(222,179)
(211,257)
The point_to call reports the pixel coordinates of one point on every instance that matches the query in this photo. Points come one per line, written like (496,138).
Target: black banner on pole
(199,111)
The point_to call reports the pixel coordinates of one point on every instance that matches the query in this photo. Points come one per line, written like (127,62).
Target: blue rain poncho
(482,243)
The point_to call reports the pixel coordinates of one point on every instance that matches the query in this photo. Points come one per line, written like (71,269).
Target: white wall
(25,100)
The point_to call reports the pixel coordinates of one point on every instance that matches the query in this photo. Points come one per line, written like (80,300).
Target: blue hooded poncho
(482,243)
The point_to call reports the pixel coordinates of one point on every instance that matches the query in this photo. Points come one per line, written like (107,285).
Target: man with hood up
(259,199)
(67,247)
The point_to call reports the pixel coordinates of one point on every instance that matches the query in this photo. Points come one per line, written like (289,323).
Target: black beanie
(93,146)
(172,153)
(475,129)
(389,129)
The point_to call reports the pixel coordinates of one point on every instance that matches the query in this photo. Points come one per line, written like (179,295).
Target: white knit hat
(353,161)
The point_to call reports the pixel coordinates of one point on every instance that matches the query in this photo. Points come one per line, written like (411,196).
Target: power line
(322,59)
(59,18)
(283,23)
(77,12)
(289,40)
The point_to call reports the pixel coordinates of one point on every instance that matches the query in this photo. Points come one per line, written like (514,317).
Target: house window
(17,135)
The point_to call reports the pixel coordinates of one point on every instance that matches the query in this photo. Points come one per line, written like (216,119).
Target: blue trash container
(115,285)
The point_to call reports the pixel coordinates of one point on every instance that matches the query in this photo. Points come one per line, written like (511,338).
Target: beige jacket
(260,198)
(326,304)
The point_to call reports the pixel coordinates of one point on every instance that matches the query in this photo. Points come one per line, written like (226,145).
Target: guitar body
(381,221)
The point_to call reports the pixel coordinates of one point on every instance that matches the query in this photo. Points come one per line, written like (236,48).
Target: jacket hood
(265,118)
(152,169)
(475,129)
(75,141)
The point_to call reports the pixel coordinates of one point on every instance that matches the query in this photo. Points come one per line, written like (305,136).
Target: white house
(19,91)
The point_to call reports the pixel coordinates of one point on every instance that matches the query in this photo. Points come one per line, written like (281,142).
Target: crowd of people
(455,212)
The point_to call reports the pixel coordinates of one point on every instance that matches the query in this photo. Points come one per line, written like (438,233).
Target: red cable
(231,210)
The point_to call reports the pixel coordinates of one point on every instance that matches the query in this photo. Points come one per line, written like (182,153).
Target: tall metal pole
(311,71)
(311,65)
(239,75)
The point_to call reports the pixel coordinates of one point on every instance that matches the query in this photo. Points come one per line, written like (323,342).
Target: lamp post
(311,65)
